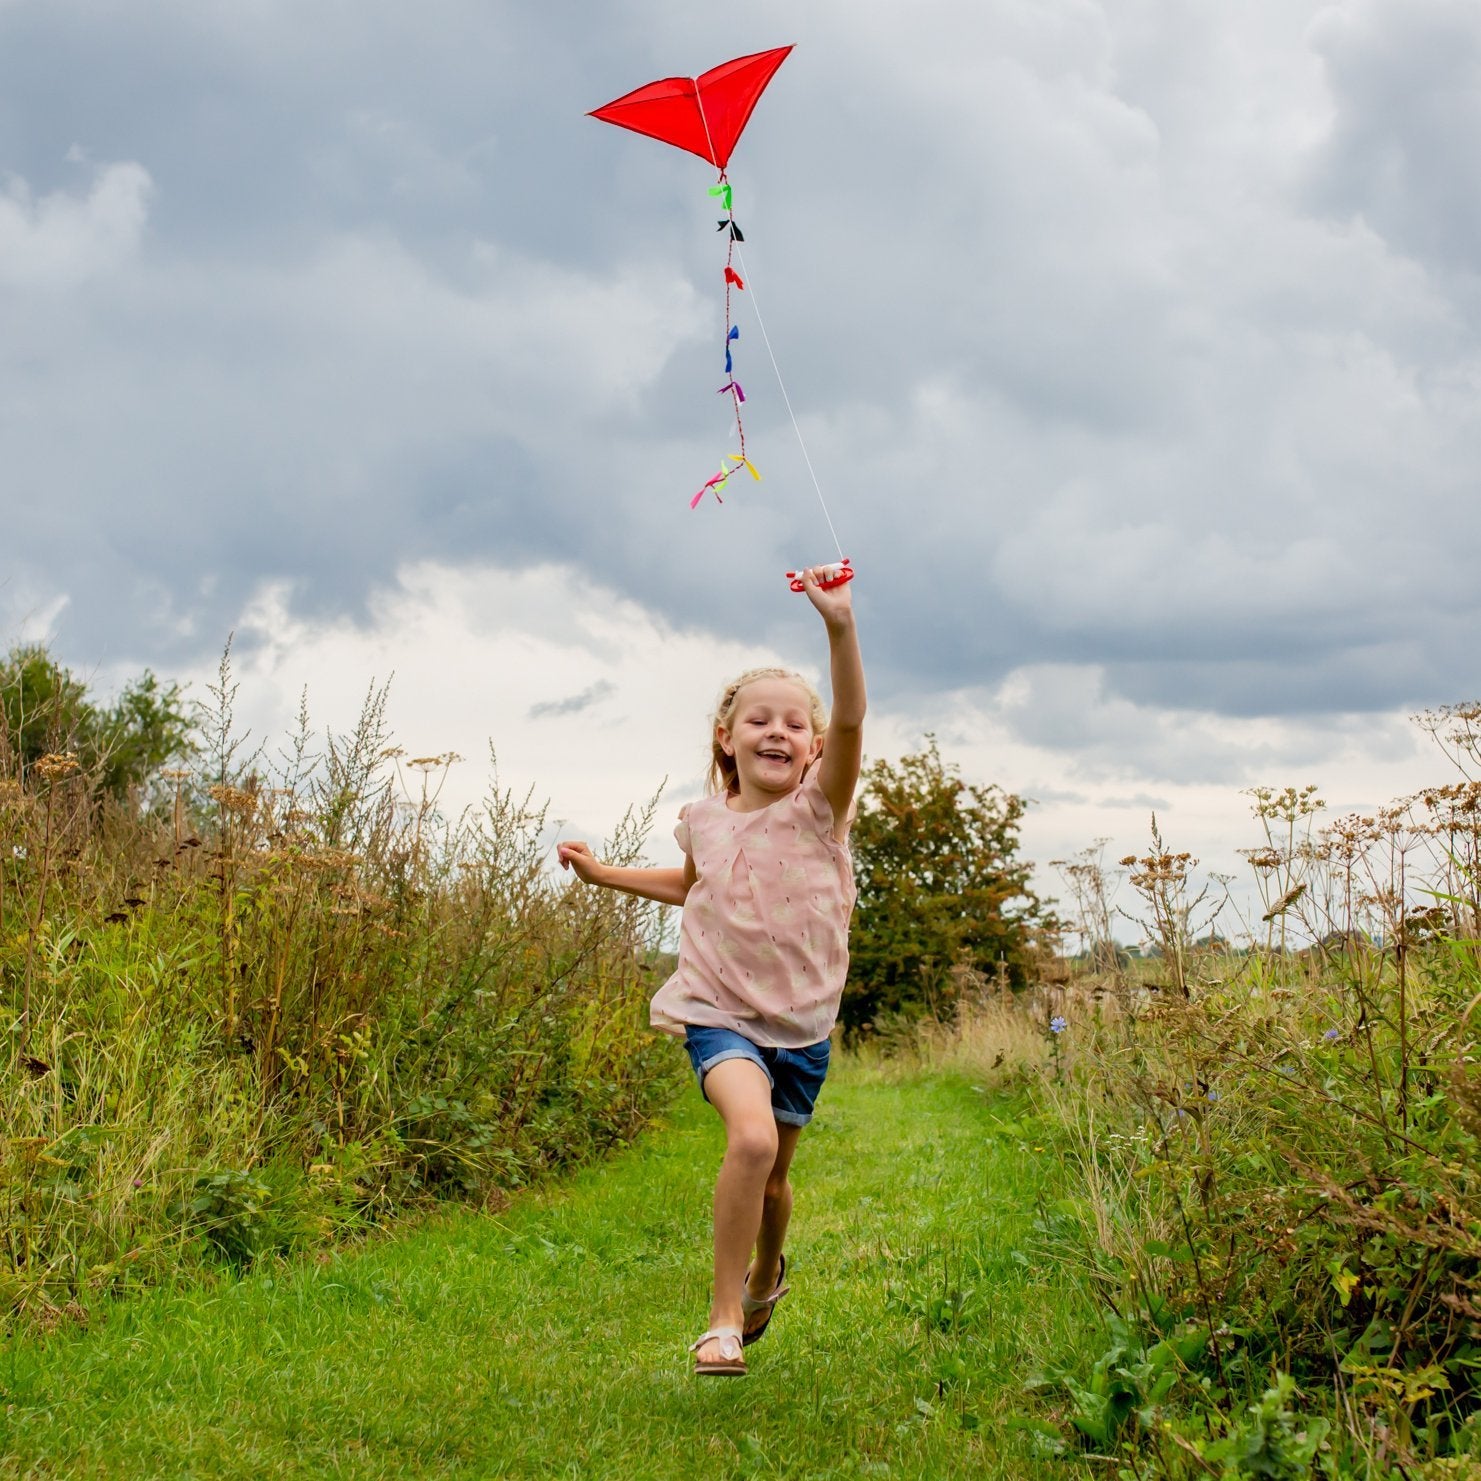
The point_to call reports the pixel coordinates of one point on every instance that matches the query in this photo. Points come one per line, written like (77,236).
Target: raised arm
(667,886)
(843,748)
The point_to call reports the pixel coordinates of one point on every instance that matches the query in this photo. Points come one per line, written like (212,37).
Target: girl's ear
(817,749)
(726,744)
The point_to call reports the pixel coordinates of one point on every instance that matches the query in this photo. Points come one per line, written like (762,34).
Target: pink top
(763,949)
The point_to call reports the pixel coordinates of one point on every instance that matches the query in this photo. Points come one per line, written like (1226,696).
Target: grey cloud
(1090,372)
(573,704)
(1406,85)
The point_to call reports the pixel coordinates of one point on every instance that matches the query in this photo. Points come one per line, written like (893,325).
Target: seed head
(57,764)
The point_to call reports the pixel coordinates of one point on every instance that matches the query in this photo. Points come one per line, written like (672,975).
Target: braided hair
(723,774)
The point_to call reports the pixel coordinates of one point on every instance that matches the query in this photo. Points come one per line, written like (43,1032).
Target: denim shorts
(796,1075)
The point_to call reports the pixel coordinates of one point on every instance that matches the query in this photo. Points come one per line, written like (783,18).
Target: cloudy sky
(1137,345)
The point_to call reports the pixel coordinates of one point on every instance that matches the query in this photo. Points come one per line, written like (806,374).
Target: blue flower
(1213,1095)
(1332,1035)
(1058,1025)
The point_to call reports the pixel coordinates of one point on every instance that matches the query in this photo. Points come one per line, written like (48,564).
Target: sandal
(750,1305)
(730,1364)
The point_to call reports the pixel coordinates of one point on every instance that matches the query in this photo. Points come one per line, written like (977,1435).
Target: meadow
(332,1140)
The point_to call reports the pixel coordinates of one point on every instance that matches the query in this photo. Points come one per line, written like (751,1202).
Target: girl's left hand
(834,604)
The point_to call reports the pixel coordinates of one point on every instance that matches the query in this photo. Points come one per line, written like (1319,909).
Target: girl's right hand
(835,605)
(576,855)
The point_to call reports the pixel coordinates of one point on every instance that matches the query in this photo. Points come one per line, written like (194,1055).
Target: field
(332,1141)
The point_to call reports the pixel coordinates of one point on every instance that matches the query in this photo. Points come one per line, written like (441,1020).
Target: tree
(941,888)
(42,707)
(45,708)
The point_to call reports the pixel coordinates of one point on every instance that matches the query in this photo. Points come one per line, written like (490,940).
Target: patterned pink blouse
(763,948)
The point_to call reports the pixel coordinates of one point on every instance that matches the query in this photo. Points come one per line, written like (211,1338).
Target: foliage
(46,710)
(1281,1149)
(943,892)
(297,999)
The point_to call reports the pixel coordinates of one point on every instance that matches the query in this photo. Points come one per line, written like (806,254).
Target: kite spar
(706,116)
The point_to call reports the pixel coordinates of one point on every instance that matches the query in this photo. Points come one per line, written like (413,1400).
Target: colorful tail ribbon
(717,481)
(733,280)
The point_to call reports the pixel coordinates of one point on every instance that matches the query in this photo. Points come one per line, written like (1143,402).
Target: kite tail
(734,283)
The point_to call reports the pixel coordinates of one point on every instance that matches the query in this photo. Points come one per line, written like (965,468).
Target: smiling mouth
(775,756)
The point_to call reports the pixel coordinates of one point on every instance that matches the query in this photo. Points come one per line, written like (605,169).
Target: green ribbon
(723,191)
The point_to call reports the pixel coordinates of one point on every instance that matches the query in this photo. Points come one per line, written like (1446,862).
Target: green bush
(291,999)
(944,898)
(1279,1148)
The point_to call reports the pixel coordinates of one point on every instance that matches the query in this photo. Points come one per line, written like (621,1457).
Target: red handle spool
(843,572)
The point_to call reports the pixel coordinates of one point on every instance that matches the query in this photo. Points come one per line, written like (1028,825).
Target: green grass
(550,1340)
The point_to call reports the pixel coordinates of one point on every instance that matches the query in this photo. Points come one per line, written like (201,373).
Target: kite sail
(706,115)
(703,114)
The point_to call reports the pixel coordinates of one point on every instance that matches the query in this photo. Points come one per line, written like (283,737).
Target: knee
(752,1143)
(778,1188)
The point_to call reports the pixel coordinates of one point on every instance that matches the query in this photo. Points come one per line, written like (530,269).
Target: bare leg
(776,1211)
(738,1089)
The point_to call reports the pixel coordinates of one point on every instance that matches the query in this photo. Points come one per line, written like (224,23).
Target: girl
(767,887)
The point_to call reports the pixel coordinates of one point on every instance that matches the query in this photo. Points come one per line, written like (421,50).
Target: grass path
(550,1341)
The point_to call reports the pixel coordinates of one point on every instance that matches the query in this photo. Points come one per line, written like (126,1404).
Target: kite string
(787,402)
(733,250)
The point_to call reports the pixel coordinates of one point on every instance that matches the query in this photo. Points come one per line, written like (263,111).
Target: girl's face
(771,736)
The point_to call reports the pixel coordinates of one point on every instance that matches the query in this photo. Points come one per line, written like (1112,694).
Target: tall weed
(286,996)
(1278,1152)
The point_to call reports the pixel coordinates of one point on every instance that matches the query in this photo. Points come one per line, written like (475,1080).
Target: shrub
(295,998)
(943,893)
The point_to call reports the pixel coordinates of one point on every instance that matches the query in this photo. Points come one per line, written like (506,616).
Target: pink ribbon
(715,481)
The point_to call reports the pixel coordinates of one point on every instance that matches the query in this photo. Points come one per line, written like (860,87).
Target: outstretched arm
(667,886)
(843,749)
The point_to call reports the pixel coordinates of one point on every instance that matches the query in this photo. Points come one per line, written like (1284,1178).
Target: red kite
(704,114)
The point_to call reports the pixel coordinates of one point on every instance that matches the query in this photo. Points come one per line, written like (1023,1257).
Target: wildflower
(57,764)
(1058,1025)
(1332,1035)
(1213,1095)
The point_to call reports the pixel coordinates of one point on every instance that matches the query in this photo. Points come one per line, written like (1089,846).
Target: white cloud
(480,656)
(28,614)
(60,240)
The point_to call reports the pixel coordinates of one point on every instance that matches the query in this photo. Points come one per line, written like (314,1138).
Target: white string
(766,338)
(787,400)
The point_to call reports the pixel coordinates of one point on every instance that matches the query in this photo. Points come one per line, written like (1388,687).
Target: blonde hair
(723,775)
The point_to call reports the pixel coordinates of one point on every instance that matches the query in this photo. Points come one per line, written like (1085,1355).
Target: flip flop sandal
(750,1305)
(730,1364)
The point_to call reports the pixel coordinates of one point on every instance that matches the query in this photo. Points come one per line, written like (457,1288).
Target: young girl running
(767,887)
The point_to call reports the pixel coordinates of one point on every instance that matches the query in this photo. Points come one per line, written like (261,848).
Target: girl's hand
(835,605)
(576,855)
